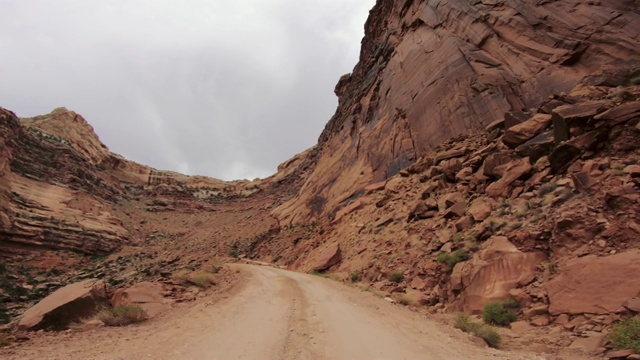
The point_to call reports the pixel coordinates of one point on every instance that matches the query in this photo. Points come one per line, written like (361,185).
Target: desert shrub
(504,207)
(626,335)
(485,332)
(459,236)
(355,276)
(121,315)
(500,313)
(550,267)
(403,300)
(564,195)
(547,189)
(450,260)
(396,277)
(4,316)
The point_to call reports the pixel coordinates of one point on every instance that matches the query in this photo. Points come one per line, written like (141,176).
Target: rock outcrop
(432,70)
(328,258)
(68,304)
(490,276)
(60,186)
(148,295)
(596,285)
(53,196)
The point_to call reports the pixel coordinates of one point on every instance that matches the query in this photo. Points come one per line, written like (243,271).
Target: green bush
(396,277)
(626,335)
(500,313)
(122,315)
(450,260)
(355,276)
(485,332)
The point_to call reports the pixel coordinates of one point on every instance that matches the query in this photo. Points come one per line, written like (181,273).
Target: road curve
(279,314)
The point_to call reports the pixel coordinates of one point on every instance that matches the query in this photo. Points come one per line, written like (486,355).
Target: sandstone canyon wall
(60,186)
(433,70)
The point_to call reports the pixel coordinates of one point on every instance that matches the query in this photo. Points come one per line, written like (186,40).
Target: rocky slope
(432,70)
(61,185)
(67,202)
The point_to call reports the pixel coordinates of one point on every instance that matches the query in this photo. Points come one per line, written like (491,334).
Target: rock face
(70,303)
(500,268)
(54,195)
(432,70)
(60,186)
(595,285)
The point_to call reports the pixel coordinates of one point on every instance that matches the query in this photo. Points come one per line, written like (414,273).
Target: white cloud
(212,87)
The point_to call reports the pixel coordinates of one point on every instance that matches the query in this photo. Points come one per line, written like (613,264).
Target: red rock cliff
(432,70)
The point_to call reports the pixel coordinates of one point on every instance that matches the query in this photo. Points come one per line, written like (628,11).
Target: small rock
(92,325)
(540,320)
(619,354)
(481,209)
(590,343)
(520,327)
(632,304)
(329,257)
(633,170)
(535,311)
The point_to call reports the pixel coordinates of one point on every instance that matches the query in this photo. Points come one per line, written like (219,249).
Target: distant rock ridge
(59,186)
(433,70)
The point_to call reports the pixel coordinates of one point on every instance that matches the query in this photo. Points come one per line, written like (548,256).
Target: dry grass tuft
(485,332)
(122,315)
(201,279)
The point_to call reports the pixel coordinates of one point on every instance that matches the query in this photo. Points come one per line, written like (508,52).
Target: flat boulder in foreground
(70,303)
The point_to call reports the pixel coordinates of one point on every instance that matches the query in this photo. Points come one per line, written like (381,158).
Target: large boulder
(567,116)
(481,208)
(492,274)
(512,171)
(329,257)
(595,285)
(148,295)
(525,131)
(68,304)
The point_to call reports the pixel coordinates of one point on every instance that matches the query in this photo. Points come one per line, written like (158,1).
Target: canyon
(480,151)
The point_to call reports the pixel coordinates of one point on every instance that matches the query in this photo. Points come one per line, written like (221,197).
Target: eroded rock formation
(433,70)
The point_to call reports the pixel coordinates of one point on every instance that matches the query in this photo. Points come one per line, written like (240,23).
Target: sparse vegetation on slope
(485,332)
(450,260)
(200,278)
(500,313)
(626,335)
(396,277)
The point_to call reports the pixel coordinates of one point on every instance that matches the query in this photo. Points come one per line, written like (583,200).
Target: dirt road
(277,314)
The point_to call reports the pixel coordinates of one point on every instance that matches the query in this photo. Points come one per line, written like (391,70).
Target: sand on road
(276,314)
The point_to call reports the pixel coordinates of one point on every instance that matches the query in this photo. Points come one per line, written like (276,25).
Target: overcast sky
(223,88)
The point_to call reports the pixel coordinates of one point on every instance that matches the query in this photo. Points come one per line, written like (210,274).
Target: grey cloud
(221,88)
